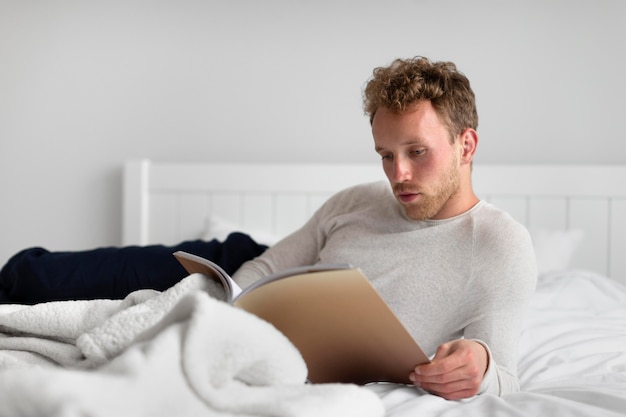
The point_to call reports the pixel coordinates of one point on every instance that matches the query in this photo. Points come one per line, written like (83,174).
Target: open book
(332,314)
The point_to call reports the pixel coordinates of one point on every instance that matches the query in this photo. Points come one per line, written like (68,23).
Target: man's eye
(418,151)
(386,157)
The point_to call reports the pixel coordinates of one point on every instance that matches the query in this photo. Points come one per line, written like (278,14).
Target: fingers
(456,371)
(452,391)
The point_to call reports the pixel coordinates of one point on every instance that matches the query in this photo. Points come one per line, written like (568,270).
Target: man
(456,270)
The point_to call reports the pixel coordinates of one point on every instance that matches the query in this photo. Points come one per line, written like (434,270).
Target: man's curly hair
(405,82)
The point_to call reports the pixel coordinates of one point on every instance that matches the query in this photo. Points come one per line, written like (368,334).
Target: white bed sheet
(572,357)
(572,360)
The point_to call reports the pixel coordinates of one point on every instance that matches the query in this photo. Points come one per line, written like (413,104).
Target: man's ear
(469,142)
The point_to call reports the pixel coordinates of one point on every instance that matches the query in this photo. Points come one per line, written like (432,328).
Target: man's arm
(300,248)
(485,359)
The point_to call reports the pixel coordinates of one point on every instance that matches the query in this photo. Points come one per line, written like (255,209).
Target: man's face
(419,161)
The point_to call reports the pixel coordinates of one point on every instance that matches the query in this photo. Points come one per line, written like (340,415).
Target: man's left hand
(456,371)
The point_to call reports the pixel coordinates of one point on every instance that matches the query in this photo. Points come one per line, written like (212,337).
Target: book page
(196,264)
(341,325)
(298,270)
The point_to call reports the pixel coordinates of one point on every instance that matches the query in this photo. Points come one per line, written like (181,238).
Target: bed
(573,346)
(574,342)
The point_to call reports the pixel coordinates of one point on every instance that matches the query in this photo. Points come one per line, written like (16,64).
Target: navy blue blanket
(36,275)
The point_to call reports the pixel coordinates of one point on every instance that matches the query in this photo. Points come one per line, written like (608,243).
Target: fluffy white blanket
(175,353)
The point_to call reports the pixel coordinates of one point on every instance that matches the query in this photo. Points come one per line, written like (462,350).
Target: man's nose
(401,170)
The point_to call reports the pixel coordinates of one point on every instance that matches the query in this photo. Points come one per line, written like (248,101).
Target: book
(332,314)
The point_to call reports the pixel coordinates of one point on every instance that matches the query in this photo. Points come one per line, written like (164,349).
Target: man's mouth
(407,197)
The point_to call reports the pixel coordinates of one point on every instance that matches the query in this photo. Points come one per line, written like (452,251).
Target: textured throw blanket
(174,353)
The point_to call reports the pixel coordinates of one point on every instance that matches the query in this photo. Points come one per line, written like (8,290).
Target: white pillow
(218,228)
(554,249)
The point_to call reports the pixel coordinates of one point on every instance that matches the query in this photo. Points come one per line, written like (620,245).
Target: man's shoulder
(498,220)
(498,235)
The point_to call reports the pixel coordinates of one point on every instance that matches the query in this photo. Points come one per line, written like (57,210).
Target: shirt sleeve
(300,248)
(491,382)
(505,279)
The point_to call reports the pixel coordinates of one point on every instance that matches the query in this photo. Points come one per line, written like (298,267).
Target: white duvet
(177,353)
(182,353)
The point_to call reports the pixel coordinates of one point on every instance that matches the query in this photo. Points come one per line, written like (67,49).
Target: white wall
(85,85)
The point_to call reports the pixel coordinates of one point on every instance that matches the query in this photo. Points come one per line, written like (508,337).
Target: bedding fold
(178,352)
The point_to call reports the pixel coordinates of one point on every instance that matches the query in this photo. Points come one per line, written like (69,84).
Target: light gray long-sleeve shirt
(468,276)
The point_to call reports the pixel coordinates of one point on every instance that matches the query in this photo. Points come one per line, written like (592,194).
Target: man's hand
(455,372)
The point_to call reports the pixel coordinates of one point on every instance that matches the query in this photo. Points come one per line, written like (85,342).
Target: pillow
(554,248)
(219,228)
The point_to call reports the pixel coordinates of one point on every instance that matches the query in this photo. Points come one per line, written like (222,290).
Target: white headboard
(167,202)
(171,202)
